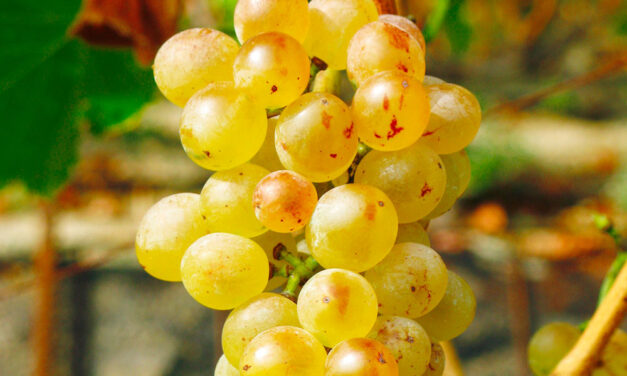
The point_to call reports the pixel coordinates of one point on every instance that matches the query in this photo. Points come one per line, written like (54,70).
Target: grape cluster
(330,199)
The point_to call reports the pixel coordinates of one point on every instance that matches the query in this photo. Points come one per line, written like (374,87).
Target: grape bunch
(311,227)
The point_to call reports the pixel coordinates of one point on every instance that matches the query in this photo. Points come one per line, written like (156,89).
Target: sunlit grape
(360,357)
(353,227)
(549,345)
(390,111)
(432,80)
(272,243)
(457,167)
(412,233)
(267,156)
(224,368)
(212,125)
(254,17)
(436,362)
(406,25)
(192,59)
(222,271)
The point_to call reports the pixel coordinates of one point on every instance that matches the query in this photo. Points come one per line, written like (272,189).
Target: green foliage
(224,9)
(457,27)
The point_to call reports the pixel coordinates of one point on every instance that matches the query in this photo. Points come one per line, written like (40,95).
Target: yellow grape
(212,125)
(224,368)
(455,118)
(549,345)
(227,200)
(353,227)
(360,357)
(165,232)
(407,26)
(262,312)
(407,340)
(457,167)
(335,305)
(436,362)
(315,137)
(455,312)
(273,68)
(284,201)
(222,271)
(254,17)
(332,25)
(390,111)
(380,46)
(283,351)
(272,242)
(192,59)
(413,178)
(432,80)
(267,157)
(412,233)
(410,281)
(613,361)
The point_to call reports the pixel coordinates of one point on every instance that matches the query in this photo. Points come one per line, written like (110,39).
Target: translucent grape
(271,242)
(359,357)
(410,281)
(413,178)
(335,305)
(390,111)
(284,201)
(262,312)
(407,26)
(455,118)
(227,200)
(436,362)
(254,17)
(457,167)
(549,345)
(353,227)
(224,368)
(267,157)
(273,68)
(222,271)
(332,25)
(455,312)
(192,59)
(432,80)
(406,340)
(212,125)
(412,233)
(315,137)
(283,351)
(613,361)
(165,232)
(380,46)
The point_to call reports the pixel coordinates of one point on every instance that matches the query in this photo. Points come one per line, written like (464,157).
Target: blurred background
(87,145)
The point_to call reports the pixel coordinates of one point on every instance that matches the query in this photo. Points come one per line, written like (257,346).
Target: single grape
(267,157)
(412,233)
(413,178)
(332,25)
(212,125)
(222,271)
(254,17)
(390,111)
(335,305)
(353,227)
(432,80)
(379,47)
(455,118)
(613,361)
(165,232)
(260,313)
(457,167)
(273,68)
(315,137)
(410,281)
(406,340)
(359,357)
(407,26)
(272,243)
(224,368)
(283,351)
(455,312)
(284,201)
(436,362)
(192,59)
(549,345)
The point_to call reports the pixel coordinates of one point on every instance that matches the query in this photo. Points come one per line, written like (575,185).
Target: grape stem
(603,223)
(301,271)
(386,6)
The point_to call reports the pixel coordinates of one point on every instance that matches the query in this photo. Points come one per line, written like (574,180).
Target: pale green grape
(272,242)
(283,351)
(165,232)
(436,362)
(410,281)
(412,233)
(407,26)
(224,368)
(360,357)
(335,305)
(315,137)
(262,312)
(212,125)
(455,312)
(192,59)
(455,118)
(413,178)
(267,157)
(390,111)
(332,25)
(613,361)
(353,227)
(549,345)
(284,201)
(457,167)
(254,17)
(407,340)
(222,271)
(227,200)
(273,68)
(380,46)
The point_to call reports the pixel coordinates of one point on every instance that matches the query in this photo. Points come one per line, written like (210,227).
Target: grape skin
(436,362)
(359,357)
(192,59)
(267,156)
(407,26)
(254,17)
(224,368)
(269,241)
(412,233)
(457,167)
(549,345)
